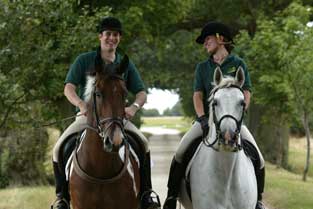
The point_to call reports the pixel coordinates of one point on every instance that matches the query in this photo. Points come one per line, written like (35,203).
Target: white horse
(221,175)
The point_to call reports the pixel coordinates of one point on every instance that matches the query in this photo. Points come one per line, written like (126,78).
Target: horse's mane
(89,87)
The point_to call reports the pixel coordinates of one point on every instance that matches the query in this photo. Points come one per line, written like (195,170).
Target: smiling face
(109,40)
(211,44)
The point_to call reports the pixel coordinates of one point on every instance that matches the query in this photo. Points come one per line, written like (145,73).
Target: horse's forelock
(226,82)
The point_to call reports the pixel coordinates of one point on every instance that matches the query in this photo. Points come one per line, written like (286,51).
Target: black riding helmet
(213,28)
(110,23)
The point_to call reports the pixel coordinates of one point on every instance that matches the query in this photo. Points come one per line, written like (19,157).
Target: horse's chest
(222,181)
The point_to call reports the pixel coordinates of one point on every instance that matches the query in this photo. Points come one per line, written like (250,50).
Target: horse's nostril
(228,135)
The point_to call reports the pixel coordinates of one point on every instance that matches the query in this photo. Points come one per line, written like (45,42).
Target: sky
(161,99)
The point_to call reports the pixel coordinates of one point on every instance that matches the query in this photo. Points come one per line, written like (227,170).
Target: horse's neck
(94,159)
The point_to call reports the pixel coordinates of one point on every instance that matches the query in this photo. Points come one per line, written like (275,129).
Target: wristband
(136,105)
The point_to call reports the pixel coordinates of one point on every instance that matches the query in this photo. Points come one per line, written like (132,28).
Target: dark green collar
(229,58)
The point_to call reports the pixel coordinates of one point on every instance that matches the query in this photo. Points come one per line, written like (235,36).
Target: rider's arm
(71,95)
(247,95)
(136,86)
(247,85)
(141,98)
(198,103)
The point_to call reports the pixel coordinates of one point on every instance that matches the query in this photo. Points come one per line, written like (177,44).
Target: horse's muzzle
(229,141)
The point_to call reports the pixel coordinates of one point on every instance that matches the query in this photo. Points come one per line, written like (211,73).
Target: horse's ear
(240,77)
(123,65)
(218,76)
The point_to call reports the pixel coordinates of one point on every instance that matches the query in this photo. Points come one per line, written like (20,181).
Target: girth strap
(95,180)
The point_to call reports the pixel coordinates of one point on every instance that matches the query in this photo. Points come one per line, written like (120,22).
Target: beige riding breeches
(195,132)
(80,124)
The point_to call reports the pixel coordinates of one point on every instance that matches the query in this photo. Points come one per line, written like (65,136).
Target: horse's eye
(243,103)
(98,94)
(214,103)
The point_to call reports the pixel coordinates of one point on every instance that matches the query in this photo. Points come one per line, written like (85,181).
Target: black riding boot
(260,179)
(252,152)
(61,189)
(176,174)
(149,199)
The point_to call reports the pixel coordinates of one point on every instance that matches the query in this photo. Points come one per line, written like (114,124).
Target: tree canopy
(40,39)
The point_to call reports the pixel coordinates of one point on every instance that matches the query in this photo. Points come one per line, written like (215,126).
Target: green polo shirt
(205,71)
(85,62)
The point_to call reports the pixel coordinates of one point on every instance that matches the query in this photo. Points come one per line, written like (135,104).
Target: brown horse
(105,175)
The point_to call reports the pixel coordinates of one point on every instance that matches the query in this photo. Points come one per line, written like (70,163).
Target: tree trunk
(271,135)
(279,155)
(307,133)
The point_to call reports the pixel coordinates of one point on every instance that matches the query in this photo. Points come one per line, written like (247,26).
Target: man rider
(109,34)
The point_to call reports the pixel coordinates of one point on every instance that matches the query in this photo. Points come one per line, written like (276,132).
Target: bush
(22,156)
(150,112)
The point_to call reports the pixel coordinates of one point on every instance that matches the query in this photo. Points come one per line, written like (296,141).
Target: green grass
(286,190)
(297,156)
(38,197)
(180,123)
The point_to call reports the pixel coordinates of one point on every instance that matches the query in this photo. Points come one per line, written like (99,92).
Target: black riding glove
(204,122)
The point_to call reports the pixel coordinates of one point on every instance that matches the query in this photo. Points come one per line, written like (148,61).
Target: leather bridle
(219,138)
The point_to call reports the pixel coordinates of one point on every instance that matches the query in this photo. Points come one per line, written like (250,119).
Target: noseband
(217,122)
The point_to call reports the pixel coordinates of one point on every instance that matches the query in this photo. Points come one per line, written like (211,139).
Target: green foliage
(150,112)
(280,67)
(269,55)
(40,39)
(4,179)
(176,110)
(22,157)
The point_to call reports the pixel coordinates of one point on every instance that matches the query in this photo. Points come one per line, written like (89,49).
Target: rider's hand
(82,105)
(204,122)
(130,111)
